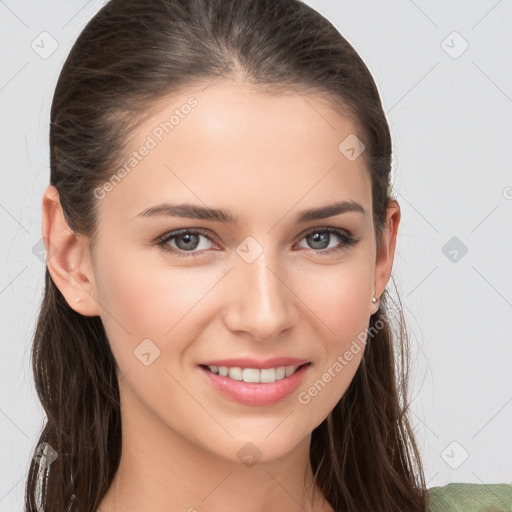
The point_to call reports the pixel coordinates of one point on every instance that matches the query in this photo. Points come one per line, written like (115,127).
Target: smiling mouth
(254,375)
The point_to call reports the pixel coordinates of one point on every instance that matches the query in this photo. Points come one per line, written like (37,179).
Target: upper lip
(250,362)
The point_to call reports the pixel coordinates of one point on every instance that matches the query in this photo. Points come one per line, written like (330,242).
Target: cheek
(340,301)
(339,297)
(128,300)
(154,302)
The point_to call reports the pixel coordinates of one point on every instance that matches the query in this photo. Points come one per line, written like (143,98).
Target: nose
(261,304)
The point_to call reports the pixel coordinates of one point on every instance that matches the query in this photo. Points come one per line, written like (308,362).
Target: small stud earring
(375,300)
(76,300)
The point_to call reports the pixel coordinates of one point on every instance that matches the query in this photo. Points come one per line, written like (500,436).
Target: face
(258,281)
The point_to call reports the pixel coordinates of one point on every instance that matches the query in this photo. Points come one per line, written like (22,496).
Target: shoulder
(463,497)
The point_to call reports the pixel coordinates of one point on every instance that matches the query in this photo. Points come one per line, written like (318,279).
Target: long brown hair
(131,54)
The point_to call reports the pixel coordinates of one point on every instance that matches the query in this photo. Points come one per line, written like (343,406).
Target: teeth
(255,375)
(289,370)
(235,373)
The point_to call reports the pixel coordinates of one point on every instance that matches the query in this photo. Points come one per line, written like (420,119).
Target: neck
(162,471)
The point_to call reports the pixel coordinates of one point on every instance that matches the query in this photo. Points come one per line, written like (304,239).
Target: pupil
(317,237)
(188,239)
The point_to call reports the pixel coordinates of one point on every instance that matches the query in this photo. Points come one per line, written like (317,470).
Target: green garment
(462,497)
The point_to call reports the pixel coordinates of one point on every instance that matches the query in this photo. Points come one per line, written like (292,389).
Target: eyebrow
(192,211)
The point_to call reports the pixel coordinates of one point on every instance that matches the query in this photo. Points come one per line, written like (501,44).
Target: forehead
(231,146)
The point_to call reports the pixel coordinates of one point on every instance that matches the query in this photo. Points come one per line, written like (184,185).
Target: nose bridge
(262,302)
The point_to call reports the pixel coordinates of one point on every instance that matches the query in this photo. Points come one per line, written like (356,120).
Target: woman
(220,231)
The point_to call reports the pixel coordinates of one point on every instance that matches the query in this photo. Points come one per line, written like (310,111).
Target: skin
(264,158)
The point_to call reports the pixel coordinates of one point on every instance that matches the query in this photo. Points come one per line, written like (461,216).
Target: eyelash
(347,241)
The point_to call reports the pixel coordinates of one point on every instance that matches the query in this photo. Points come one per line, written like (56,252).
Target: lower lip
(258,394)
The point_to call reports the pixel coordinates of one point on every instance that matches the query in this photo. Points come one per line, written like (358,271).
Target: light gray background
(452,129)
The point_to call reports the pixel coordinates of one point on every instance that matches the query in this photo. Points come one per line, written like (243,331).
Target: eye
(321,243)
(187,240)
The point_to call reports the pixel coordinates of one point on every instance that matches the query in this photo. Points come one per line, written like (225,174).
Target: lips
(250,362)
(255,394)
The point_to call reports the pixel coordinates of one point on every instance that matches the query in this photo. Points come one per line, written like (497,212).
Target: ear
(68,257)
(386,251)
